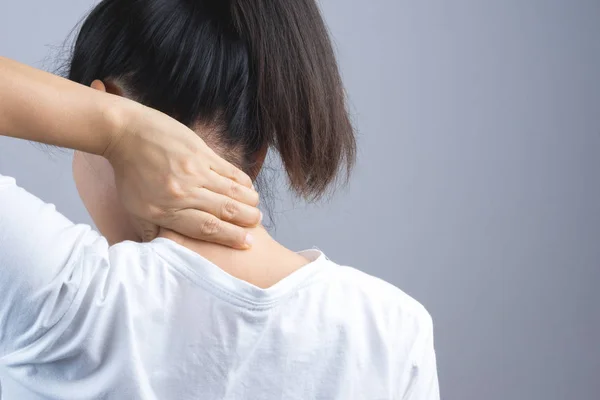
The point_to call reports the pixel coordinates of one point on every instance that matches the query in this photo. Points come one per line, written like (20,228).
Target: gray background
(477,189)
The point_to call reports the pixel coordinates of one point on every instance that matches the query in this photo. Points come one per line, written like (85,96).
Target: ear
(108,86)
(98,85)
(94,180)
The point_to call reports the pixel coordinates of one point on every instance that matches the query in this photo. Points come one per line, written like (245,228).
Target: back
(157,321)
(82,320)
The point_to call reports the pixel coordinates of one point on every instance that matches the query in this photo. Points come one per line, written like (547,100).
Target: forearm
(36,105)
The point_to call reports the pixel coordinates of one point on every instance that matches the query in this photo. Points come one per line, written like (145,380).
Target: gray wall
(477,189)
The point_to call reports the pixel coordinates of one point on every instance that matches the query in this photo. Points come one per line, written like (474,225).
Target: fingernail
(261,217)
(253,188)
(249,239)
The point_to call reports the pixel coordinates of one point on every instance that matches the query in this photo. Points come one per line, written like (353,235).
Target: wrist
(117,112)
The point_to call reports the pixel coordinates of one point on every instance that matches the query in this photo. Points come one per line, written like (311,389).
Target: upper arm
(41,252)
(423,381)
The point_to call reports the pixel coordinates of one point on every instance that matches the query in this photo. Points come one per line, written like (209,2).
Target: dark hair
(255,72)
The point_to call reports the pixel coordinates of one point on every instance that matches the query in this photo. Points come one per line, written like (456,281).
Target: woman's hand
(167,176)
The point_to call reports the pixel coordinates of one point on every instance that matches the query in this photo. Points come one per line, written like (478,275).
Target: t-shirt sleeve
(41,253)
(423,382)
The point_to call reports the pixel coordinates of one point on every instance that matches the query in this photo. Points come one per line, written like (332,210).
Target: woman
(181,295)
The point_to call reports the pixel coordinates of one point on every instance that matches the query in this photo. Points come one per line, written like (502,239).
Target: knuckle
(230,210)
(174,189)
(211,227)
(188,166)
(234,190)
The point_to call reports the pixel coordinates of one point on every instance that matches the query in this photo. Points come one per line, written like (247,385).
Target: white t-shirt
(82,320)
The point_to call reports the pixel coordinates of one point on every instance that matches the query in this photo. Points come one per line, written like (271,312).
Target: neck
(263,265)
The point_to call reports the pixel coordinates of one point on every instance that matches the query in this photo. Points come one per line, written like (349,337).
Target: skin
(263,265)
(165,174)
(141,173)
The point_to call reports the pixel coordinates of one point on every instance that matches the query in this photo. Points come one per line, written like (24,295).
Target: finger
(228,170)
(207,227)
(223,207)
(232,189)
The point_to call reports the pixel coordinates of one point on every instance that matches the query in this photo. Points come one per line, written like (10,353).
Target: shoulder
(6,181)
(378,293)
(380,307)
(381,313)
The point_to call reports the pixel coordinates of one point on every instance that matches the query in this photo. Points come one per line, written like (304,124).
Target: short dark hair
(257,72)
